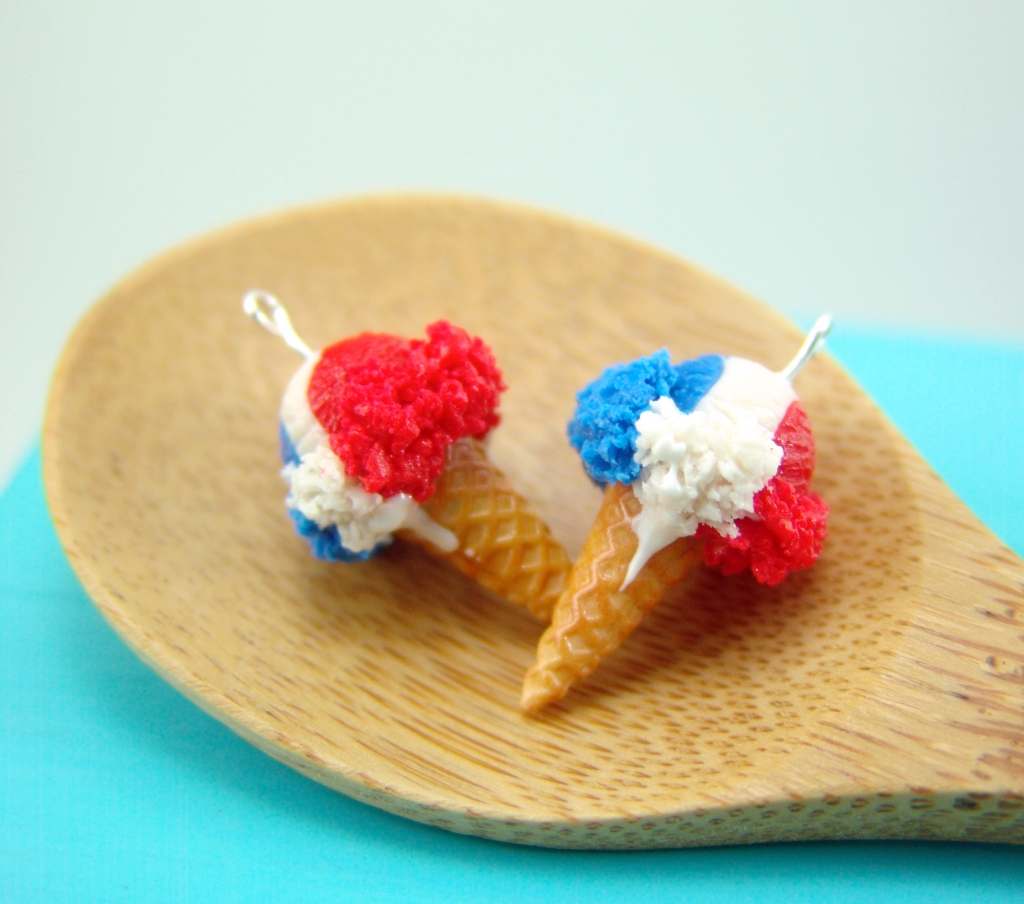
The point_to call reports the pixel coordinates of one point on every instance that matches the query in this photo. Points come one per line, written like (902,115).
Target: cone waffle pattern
(503,543)
(593,617)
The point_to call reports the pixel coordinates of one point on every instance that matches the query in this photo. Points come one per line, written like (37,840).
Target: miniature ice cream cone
(707,460)
(502,542)
(596,613)
(382,436)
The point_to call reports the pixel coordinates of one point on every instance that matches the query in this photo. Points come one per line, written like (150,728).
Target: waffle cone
(593,617)
(503,543)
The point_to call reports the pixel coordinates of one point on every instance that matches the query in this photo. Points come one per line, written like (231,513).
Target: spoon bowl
(877,695)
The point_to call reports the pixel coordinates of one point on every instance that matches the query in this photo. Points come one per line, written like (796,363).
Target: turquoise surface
(113,787)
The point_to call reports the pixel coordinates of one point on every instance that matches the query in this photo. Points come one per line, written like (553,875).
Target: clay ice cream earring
(711,460)
(382,436)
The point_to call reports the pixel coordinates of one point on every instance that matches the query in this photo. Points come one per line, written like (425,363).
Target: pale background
(864,158)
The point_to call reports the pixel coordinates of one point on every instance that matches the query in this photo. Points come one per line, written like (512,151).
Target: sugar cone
(592,617)
(503,543)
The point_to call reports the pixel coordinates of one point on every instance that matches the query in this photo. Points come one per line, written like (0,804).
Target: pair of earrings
(708,460)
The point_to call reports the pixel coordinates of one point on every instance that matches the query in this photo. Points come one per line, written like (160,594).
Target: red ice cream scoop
(393,406)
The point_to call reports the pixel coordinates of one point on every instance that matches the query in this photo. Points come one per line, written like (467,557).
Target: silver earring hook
(270,314)
(812,345)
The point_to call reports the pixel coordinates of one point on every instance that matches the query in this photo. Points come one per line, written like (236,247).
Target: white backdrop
(865,158)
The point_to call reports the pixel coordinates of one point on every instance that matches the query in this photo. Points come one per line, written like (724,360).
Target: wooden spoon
(878,695)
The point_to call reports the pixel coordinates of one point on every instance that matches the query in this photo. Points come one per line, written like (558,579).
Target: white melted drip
(319,488)
(705,467)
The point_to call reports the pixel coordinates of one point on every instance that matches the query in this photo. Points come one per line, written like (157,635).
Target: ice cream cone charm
(502,542)
(596,613)
(381,436)
(707,460)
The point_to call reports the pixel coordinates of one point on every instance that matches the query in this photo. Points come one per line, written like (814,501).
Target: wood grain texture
(880,694)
